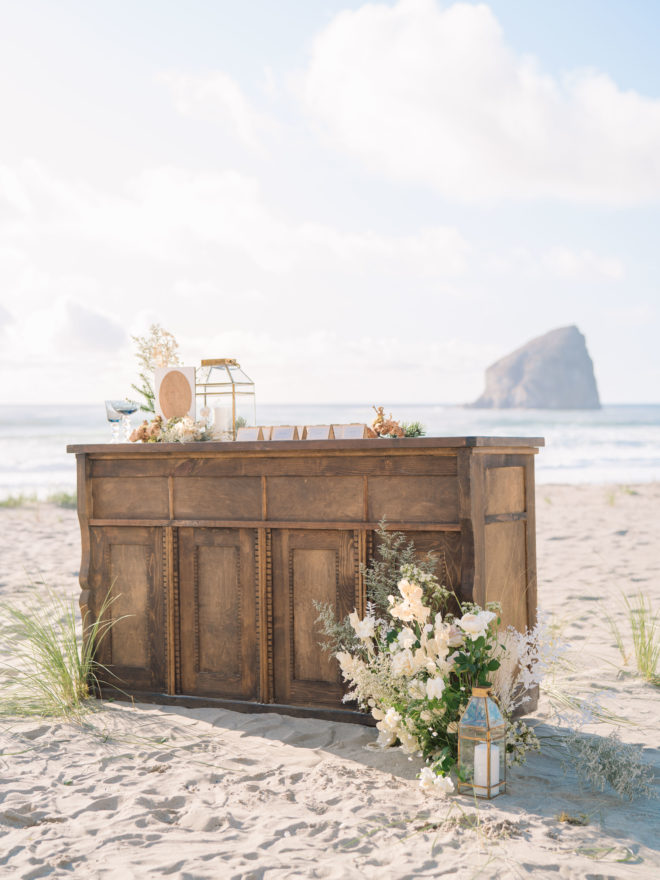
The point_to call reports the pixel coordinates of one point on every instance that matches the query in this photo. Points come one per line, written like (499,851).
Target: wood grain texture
(413,499)
(132,498)
(316,499)
(230,498)
(505,490)
(307,566)
(506,571)
(217,579)
(128,564)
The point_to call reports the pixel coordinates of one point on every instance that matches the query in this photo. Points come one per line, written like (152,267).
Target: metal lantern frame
(486,732)
(215,389)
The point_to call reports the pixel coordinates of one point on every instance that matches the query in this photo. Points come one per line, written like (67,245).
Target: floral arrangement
(413,659)
(157,348)
(181,430)
(389,427)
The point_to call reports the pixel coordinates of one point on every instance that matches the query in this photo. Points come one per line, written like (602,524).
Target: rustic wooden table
(217,551)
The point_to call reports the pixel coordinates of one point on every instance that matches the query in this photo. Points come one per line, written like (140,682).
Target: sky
(361,202)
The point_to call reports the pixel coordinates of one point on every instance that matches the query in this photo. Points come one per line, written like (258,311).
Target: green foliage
(146,390)
(68,500)
(606,761)
(53,669)
(339,634)
(19,500)
(644,625)
(413,429)
(381,576)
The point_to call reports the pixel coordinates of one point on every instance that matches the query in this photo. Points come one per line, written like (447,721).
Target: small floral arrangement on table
(181,430)
(413,659)
(389,428)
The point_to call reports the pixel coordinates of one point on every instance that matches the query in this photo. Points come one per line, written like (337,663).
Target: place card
(353,431)
(284,432)
(246,433)
(318,432)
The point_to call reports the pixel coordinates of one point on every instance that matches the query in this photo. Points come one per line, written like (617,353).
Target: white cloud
(172,214)
(436,97)
(561,262)
(216,97)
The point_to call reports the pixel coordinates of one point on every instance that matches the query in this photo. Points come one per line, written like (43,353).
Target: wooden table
(217,551)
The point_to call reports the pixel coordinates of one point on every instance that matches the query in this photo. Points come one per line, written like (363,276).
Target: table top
(279,446)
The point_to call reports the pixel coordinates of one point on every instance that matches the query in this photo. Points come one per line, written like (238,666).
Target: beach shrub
(53,670)
(606,762)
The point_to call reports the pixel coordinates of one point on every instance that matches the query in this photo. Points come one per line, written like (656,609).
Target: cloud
(216,97)
(436,97)
(561,262)
(175,215)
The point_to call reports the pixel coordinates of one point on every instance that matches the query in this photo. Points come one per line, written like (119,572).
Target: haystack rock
(553,371)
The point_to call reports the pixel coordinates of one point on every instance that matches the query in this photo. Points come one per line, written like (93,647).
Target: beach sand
(146,791)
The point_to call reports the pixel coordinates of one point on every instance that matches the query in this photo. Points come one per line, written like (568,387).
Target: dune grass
(53,670)
(68,500)
(19,500)
(644,625)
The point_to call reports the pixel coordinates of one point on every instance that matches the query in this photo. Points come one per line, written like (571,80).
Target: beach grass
(19,500)
(644,623)
(53,668)
(68,500)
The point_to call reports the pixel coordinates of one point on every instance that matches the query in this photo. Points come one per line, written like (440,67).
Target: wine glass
(114,418)
(125,408)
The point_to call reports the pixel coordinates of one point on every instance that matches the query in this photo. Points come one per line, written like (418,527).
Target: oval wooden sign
(174,395)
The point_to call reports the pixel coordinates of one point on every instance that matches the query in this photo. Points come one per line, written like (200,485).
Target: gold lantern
(482,746)
(228,392)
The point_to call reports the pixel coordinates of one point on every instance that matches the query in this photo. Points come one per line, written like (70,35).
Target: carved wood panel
(310,566)
(218,614)
(128,563)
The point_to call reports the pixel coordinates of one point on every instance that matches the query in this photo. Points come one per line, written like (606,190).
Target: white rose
(475,625)
(406,638)
(434,688)
(403,663)
(364,629)
(427,779)
(429,782)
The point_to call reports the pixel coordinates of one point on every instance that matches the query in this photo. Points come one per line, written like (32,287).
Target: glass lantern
(228,392)
(482,746)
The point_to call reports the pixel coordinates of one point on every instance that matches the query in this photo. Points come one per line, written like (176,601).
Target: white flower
(430,782)
(416,689)
(364,629)
(403,663)
(409,743)
(391,720)
(475,625)
(434,688)
(406,638)
(411,592)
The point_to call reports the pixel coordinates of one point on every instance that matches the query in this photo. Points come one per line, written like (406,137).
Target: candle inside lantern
(481,766)
(222,425)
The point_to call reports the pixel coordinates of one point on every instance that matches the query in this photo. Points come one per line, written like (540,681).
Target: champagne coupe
(114,418)
(126,408)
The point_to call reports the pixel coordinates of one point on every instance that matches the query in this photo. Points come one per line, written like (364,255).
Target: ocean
(617,444)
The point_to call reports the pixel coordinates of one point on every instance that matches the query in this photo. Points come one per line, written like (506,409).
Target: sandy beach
(146,791)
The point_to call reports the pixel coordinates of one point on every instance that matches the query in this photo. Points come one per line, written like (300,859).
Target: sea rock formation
(553,371)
